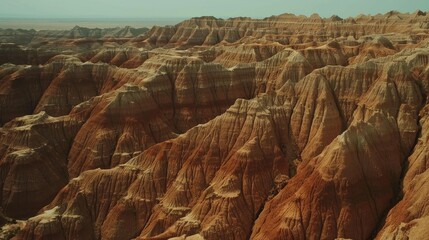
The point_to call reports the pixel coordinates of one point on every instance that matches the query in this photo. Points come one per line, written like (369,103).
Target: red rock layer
(137,109)
(178,171)
(177,188)
(121,125)
(282,128)
(346,190)
(408,219)
(285,29)
(33,161)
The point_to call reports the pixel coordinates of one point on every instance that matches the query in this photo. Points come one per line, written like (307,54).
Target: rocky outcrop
(378,47)
(126,58)
(20,46)
(208,193)
(287,127)
(22,36)
(407,220)
(343,192)
(346,190)
(33,161)
(286,29)
(121,124)
(195,174)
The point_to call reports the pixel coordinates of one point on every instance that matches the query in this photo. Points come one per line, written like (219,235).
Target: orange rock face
(407,218)
(287,127)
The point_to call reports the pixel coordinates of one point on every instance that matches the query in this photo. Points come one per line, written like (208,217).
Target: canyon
(287,127)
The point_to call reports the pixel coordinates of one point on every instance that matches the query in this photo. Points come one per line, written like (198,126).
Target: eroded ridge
(287,127)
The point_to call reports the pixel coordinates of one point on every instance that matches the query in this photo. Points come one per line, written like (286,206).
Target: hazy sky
(190,8)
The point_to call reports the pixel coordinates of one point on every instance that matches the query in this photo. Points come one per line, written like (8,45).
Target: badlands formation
(288,127)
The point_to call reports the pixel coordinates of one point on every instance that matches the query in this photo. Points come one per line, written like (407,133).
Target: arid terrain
(288,127)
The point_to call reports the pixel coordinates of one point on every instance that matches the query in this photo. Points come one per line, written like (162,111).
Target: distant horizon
(68,22)
(92,18)
(184,18)
(164,9)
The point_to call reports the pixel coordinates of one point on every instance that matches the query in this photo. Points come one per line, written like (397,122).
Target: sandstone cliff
(288,127)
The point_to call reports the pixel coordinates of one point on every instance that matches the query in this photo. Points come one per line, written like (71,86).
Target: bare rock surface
(287,127)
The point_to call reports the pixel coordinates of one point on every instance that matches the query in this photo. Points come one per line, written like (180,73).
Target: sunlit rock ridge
(287,127)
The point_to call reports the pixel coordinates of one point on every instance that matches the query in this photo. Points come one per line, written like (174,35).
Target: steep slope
(343,192)
(285,29)
(218,193)
(158,169)
(288,127)
(346,190)
(407,220)
(33,161)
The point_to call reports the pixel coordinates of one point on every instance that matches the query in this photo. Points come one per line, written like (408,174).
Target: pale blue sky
(189,8)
